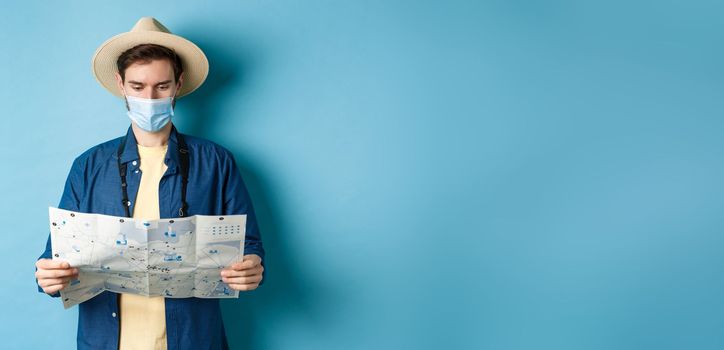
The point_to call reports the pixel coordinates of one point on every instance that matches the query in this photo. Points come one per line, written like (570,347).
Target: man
(154,172)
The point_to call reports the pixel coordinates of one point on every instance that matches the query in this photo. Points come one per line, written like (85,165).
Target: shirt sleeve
(238,201)
(70,200)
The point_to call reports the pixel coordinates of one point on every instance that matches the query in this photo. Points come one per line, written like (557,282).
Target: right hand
(54,275)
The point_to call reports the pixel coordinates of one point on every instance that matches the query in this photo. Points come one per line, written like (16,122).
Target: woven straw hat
(148,30)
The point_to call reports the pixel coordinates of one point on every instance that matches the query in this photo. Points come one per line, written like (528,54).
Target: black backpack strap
(122,167)
(183,156)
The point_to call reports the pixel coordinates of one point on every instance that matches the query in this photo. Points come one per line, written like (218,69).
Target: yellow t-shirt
(143,319)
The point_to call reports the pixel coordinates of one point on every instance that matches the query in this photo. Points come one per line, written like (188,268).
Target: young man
(154,172)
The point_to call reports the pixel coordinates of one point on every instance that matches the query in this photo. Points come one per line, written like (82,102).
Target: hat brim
(195,64)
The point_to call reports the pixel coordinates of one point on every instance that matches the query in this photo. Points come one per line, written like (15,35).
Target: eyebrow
(140,83)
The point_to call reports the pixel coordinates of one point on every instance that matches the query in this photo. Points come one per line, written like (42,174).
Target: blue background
(450,174)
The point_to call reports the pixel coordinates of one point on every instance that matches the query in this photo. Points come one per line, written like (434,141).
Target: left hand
(244,275)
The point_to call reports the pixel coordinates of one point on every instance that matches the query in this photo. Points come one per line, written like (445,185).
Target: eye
(137,88)
(163,87)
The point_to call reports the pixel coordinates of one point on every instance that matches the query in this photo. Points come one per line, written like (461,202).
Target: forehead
(150,72)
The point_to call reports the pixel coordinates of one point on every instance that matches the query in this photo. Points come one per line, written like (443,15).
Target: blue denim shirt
(215,187)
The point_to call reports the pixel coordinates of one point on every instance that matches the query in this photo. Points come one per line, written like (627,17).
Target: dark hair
(146,53)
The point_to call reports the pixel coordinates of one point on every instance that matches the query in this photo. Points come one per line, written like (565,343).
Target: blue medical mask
(150,114)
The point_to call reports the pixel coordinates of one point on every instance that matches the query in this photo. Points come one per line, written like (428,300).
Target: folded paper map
(174,258)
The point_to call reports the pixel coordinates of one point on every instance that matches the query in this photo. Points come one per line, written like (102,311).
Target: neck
(152,139)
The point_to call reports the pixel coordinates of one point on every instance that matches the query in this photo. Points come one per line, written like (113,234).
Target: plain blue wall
(451,174)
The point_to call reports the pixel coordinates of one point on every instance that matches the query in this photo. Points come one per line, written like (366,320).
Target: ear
(119,83)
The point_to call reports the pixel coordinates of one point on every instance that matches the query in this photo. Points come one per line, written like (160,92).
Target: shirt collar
(130,153)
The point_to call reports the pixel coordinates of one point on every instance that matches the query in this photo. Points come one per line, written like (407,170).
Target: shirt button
(113,314)
(134,162)
(136,171)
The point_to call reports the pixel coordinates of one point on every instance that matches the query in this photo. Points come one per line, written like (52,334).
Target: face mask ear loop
(173,100)
(125,99)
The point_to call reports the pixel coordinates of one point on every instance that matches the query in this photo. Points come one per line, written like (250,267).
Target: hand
(54,275)
(244,275)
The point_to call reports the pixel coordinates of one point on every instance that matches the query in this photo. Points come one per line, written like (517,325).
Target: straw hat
(149,31)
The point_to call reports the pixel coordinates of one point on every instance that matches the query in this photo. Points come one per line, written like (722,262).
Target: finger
(241,265)
(243,287)
(55,273)
(242,280)
(49,264)
(239,273)
(249,261)
(53,281)
(40,274)
(55,288)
